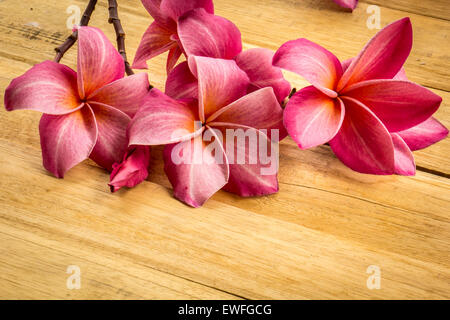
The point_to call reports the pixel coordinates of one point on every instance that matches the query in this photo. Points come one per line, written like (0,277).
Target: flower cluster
(224,110)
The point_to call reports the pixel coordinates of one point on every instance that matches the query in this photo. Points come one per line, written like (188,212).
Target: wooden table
(315,239)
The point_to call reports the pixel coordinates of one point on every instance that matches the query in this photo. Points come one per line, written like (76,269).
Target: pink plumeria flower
(418,137)
(132,170)
(86,113)
(178,22)
(350,4)
(424,134)
(256,63)
(358,108)
(223,40)
(220,38)
(221,103)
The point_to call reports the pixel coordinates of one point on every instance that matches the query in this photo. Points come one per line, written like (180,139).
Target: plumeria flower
(360,109)
(190,128)
(194,30)
(222,39)
(350,4)
(256,63)
(418,137)
(176,22)
(86,113)
(132,170)
(424,134)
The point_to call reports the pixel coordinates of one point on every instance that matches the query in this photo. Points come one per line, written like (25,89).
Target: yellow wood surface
(315,239)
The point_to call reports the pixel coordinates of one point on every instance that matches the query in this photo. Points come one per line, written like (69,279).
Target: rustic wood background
(314,239)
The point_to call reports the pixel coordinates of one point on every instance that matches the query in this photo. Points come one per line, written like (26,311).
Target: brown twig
(284,103)
(113,18)
(73,37)
(293,91)
(120,33)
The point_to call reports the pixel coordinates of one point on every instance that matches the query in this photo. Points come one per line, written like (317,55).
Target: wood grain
(251,254)
(312,240)
(438,8)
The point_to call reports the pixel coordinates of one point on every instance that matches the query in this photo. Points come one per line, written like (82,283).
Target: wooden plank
(312,177)
(25,274)
(316,168)
(345,35)
(248,254)
(312,169)
(432,8)
(316,187)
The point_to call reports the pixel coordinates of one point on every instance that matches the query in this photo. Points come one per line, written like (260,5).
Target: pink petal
(99,63)
(112,135)
(351,4)
(132,170)
(176,8)
(247,174)
(259,109)
(172,58)
(404,160)
(181,83)
(220,82)
(401,75)
(313,62)
(312,118)
(154,8)
(156,40)
(195,180)
(125,94)
(48,87)
(66,140)
(257,64)
(346,63)
(398,104)
(424,134)
(363,142)
(163,120)
(220,38)
(383,56)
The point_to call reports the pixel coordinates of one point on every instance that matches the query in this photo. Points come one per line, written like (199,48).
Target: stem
(284,103)
(73,37)
(120,33)
(293,91)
